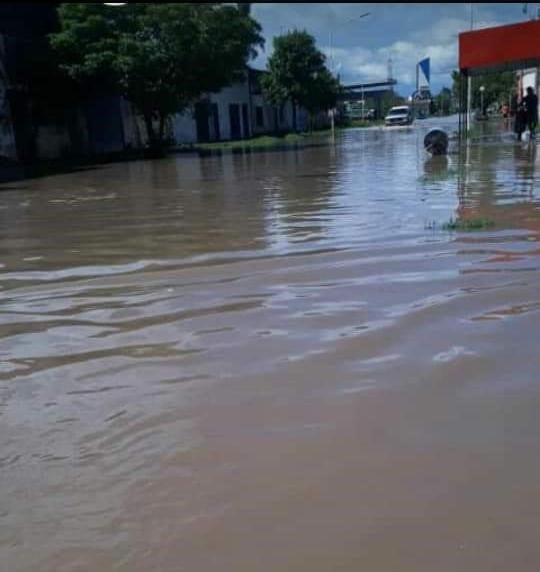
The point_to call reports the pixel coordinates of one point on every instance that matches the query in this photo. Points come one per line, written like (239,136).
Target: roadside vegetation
(468,224)
(297,72)
(261,142)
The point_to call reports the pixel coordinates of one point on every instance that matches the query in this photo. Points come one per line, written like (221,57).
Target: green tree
(443,101)
(162,57)
(498,87)
(297,71)
(245,8)
(323,94)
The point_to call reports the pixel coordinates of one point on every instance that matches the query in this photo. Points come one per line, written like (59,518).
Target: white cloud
(363,64)
(405,33)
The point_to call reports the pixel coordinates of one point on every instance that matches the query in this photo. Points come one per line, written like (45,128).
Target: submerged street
(278,360)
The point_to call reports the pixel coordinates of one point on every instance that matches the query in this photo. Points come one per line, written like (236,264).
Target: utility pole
(332,68)
(469,82)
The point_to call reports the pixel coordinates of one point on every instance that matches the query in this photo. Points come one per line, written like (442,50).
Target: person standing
(531,110)
(520,120)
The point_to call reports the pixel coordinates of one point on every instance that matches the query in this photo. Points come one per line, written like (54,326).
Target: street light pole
(332,66)
(482,88)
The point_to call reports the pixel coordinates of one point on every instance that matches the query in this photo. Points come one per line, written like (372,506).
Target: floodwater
(276,361)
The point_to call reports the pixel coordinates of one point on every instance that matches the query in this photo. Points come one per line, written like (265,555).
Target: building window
(259,117)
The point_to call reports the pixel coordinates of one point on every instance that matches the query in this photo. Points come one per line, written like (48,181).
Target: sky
(358,48)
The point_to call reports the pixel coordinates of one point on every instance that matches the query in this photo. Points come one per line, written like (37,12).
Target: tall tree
(245,8)
(297,71)
(162,57)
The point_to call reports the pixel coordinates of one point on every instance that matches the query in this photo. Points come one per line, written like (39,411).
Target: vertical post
(482,100)
(460,113)
(469,102)
(463,112)
(461,108)
(332,122)
(469,82)
(330,50)
(537,86)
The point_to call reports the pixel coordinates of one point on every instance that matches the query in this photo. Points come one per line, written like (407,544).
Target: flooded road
(273,361)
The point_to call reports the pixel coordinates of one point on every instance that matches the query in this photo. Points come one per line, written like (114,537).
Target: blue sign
(424,66)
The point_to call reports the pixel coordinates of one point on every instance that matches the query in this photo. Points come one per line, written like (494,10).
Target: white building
(236,112)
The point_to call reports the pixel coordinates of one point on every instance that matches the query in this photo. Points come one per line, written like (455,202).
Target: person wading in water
(531,109)
(520,121)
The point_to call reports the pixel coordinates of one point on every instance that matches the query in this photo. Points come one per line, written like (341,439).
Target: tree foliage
(162,57)
(498,87)
(443,101)
(297,71)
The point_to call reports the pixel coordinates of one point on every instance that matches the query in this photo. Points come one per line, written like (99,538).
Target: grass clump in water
(260,142)
(468,224)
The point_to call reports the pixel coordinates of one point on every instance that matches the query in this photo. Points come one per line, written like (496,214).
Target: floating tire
(436,142)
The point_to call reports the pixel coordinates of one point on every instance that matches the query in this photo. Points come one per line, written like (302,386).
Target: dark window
(245,119)
(259,117)
(201,121)
(215,115)
(234,121)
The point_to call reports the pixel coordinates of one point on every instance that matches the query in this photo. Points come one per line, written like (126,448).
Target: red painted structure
(511,47)
(504,47)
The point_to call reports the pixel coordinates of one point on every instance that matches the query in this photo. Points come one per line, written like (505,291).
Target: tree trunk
(294,116)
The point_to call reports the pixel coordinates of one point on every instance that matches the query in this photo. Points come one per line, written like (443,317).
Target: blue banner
(424,66)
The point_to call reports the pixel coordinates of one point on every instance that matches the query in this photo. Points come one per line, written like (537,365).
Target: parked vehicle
(400,115)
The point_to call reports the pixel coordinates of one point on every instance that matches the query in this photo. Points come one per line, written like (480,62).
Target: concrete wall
(8,147)
(237,94)
(269,116)
(52,141)
(184,129)
(134,135)
(85,133)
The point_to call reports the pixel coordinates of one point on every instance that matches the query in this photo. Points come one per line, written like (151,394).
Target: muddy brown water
(273,361)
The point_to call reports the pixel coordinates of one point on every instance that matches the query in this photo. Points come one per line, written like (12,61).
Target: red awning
(505,47)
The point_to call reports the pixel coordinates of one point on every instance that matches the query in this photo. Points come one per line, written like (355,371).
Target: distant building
(32,127)
(373,94)
(236,112)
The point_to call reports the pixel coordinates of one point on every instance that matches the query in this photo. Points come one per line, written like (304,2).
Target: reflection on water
(268,361)
(436,167)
